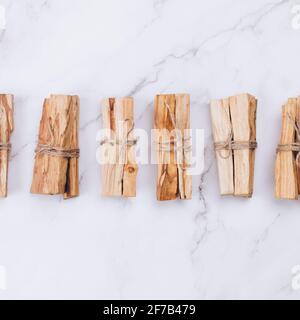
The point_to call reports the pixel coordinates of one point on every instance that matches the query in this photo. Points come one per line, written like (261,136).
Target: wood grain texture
(171,120)
(59,129)
(6,128)
(297,139)
(243,119)
(119,174)
(286,181)
(221,126)
(234,121)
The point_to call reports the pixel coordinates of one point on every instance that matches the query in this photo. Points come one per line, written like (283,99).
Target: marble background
(95,248)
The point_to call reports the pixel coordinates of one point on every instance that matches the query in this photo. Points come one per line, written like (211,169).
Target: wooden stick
(297,139)
(171,120)
(119,174)
(234,124)
(6,128)
(243,119)
(221,124)
(286,185)
(55,174)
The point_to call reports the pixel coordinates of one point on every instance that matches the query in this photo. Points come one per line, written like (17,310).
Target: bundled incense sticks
(119,170)
(173,145)
(234,132)
(57,152)
(6,128)
(287,167)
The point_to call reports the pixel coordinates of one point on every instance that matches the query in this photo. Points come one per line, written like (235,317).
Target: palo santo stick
(297,138)
(220,116)
(183,154)
(286,182)
(57,154)
(171,121)
(234,132)
(6,128)
(243,119)
(120,171)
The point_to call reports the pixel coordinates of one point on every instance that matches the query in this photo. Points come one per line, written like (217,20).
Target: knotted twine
(112,142)
(52,150)
(174,144)
(5,146)
(229,145)
(294,146)
(166,145)
(121,142)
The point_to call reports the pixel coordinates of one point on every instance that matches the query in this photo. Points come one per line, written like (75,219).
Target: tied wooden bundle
(234,133)
(57,154)
(6,128)
(287,166)
(119,171)
(173,145)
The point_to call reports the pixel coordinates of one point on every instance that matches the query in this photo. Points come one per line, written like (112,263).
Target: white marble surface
(89,247)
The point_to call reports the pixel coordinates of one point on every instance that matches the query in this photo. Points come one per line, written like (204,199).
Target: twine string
(56,151)
(52,150)
(294,146)
(177,144)
(122,142)
(5,146)
(168,146)
(174,144)
(230,145)
(295,123)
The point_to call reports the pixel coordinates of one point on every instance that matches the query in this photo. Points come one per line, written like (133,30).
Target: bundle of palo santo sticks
(234,132)
(287,167)
(57,153)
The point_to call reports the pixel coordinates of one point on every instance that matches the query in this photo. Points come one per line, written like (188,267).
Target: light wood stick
(286,186)
(171,119)
(243,120)
(6,128)
(234,128)
(297,139)
(221,125)
(183,155)
(130,167)
(119,174)
(58,129)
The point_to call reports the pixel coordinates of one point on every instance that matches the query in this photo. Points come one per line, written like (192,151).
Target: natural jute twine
(182,144)
(123,143)
(52,150)
(112,142)
(295,146)
(231,145)
(5,146)
(56,151)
